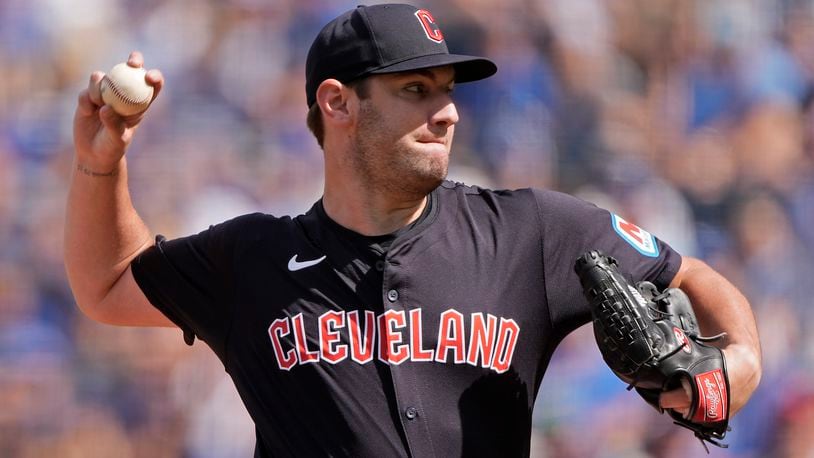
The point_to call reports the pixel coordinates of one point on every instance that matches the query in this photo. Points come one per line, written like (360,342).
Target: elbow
(90,295)
(90,302)
(91,309)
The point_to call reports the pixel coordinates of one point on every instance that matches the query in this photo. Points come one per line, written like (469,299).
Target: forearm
(720,307)
(103,232)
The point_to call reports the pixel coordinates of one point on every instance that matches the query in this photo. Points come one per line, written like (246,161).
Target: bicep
(126,305)
(719,306)
(687,263)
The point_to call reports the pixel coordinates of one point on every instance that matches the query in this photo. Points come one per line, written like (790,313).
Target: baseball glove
(651,341)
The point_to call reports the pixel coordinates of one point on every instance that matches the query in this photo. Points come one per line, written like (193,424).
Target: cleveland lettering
(394,337)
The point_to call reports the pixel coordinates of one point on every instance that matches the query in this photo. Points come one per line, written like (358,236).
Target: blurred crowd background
(692,118)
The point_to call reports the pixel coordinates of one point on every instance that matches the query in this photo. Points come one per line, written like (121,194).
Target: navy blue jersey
(430,343)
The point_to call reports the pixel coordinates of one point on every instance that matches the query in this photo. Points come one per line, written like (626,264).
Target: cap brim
(467,68)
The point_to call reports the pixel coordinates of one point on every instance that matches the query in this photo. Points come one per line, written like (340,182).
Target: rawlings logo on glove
(651,341)
(713,397)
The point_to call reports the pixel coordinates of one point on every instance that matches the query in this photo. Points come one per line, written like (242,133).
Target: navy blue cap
(384,39)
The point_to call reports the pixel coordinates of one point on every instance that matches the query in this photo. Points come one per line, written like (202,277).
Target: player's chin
(423,178)
(433,176)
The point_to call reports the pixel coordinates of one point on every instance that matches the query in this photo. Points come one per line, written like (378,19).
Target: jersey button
(392,295)
(411,413)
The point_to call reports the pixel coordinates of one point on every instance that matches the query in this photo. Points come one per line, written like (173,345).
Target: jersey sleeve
(190,280)
(571,227)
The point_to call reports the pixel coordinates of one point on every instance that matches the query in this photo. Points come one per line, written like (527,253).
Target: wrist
(94,170)
(86,170)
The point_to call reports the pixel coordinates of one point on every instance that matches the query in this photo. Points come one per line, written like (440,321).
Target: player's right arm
(103,231)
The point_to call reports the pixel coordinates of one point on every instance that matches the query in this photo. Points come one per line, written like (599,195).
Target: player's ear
(332,97)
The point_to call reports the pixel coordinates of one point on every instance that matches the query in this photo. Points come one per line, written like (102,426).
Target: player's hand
(679,399)
(101,136)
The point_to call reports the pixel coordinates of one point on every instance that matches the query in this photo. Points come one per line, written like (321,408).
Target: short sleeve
(190,280)
(571,227)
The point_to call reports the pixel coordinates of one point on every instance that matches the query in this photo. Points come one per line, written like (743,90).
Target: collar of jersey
(319,220)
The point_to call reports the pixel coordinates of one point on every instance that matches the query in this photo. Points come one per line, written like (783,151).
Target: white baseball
(125,90)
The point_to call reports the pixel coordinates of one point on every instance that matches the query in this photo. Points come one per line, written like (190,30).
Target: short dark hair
(314,118)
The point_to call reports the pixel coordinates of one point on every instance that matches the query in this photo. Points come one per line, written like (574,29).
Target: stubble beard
(389,165)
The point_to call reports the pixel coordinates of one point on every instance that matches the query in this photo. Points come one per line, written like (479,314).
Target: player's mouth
(433,141)
(435,146)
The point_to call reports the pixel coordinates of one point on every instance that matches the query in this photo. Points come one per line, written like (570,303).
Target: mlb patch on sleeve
(638,238)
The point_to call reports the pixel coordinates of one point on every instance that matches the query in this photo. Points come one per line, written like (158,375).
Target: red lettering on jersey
(482,339)
(451,337)
(305,355)
(329,336)
(389,351)
(430,27)
(631,230)
(507,339)
(492,340)
(361,350)
(419,353)
(278,329)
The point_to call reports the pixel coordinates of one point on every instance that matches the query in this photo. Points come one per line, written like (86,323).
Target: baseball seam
(121,95)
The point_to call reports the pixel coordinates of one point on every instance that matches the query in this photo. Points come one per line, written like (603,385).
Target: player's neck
(368,212)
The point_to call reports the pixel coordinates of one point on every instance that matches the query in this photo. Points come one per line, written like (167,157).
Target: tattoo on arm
(91,173)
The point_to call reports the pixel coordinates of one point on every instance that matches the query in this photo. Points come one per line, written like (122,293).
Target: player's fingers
(134,120)
(112,121)
(84,106)
(155,79)
(119,122)
(679,399)
(95,88)
(675,399)
(136,59)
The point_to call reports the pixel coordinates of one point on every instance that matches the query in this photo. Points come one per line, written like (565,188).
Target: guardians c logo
(430,27)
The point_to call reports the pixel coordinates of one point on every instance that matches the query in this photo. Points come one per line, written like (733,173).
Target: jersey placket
(405,383)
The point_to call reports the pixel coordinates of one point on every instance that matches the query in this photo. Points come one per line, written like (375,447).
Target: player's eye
(416,88)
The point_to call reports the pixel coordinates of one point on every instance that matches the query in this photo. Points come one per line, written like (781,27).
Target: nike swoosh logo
(294,265)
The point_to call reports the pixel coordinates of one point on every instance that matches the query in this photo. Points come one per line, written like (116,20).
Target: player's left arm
(720,307)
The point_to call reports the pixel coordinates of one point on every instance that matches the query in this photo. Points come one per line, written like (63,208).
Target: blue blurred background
(692,118)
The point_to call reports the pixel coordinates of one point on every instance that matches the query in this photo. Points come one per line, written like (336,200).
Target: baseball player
(402,314)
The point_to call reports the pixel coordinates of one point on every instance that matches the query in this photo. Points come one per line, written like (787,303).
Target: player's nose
(446,115)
